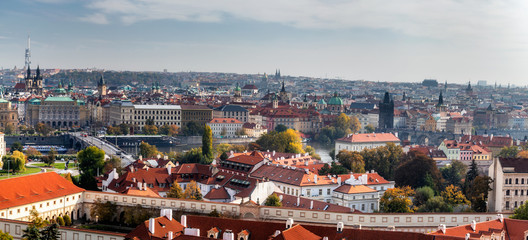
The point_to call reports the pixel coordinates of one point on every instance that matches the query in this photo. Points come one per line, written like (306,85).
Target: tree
(207,144)
(60,221)
(192,191)
(113,162)
(383,159)
(280,128)
(453,195)
(214,213)
(470,176)
(124,129)
(435,204)
(521,212)
(137,215)
(523,154)
(34,218)
(150,130)
(193,128)
(50,158)
(67,220)
(418,170)
(273,201)
(19,155)
(334,169)
(369,128)
(508,152)
(422,195)
(288,141)
(173,130)
(91,162)
(175,191)
(351,160)
(397,200)
(32,152)
(147,151)
(50,232)
(477,193)
(224,156)
(454,173)
(15,162)
(68,177)
(193,156)
(43,129)
(355,125)
(31,233)
(164,130)
(9,129)
(17,146)
(311,151)
(5,236)
(103,211)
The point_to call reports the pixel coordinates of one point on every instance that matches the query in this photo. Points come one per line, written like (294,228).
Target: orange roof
(297,232)
(461,231)
(370,137)
(217,193)
(354,189)
(34,188)
(161,227)
(224,120)
(136,192)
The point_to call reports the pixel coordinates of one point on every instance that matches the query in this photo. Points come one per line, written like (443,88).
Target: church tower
(386,113)
(237,97)
(101,86)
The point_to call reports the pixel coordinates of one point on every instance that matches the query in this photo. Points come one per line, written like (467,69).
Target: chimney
(116,176)
(169,168)
(442,227)
(289,223)
(491,137)
(277,232)
(228,235)
(339,181)
(500,217)
(191,232)
(315,178)
(311,204)
(183,220)
(340,227)
(170,235)
(140,157)
(152,223)
(273,153)
(166,213)
(138,184)
(158,156)
(325,238)
(467,236)
(473,225)
(518,142)
(298,201)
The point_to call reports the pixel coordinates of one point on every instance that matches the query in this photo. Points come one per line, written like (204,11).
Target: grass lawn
(58,165)
(29,170)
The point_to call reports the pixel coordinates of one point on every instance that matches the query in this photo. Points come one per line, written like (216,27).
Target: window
(516,192)
(507,204)
(507,192)
(516,181)
(328,191)
(320,192)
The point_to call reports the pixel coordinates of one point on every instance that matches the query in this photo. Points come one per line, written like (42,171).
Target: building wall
(49,209)
(358,147)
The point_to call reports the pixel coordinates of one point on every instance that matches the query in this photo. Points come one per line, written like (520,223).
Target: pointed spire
(28,75)
(440,99)
(38,72)
(386,98)
(102,80)
(283,88)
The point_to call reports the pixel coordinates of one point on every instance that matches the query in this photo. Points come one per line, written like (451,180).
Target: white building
(510,184)
(358,142)
(2,145)
(225,127)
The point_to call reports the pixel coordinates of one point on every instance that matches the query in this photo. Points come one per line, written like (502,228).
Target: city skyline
(460,41)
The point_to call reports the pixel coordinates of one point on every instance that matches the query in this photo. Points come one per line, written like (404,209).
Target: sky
(378,40)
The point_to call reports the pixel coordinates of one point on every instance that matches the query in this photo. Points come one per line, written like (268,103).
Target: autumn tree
(113,162)
(273,201)
(150,129)
(280,128)
(17,146)
(369,128)
(454,173)
(397,200)
(207,144)
(50,158)
(147,151)
(523,154)
(311,151)
(5,236)
(454,196)
(422,195)
(288,141)
(175,191)
(124,129)
(477,193)
(192,191)
(32,152)
(103,211)
(384,159)
(508,152)
(351,160)
(43,129)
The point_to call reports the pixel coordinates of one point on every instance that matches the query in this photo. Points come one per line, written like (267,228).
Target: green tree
(508,152)
(477,193)
(103,211)
(280,128)
(273,201)
(369,128)
(470,176)
(333,169)
(207,144)
(164,130)
(193,128)
(193,156)
(288,141)
(67,220)
(124,129)
(31,233)
(147,151)
(214,213)
(17,146)
(422,195)
(91,163)
(50,158)
(454,173)
(60,221)
(5,236)
(385,159)
(351,160)
(397,200)
(50,232)
(175,191)
(150,129)
(417,171)
(521,212)
(224,156)
(435,204)
(43,129)
(192,191)
(311,151)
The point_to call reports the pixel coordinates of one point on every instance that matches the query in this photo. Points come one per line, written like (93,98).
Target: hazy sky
(404,40)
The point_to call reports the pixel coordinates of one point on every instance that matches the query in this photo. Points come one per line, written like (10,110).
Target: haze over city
(457,41)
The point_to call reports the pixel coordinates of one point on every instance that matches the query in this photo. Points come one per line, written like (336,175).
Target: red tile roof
(354,189)
(290,201)
(225,120)
(297,232)
(370,137)
(34,188)
(217,194)
(161,228)
(514,229)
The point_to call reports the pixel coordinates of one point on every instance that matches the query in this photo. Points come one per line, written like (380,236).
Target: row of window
(516,192)
(514,204)
(509,181)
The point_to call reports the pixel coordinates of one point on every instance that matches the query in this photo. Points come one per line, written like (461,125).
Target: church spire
(38,72)
(28,74)
(283,88)
(440,99)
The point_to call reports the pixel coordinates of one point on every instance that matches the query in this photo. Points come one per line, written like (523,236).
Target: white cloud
(491,20)
(97,18)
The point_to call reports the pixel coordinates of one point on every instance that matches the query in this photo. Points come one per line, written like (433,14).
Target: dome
(335,100)
(322,102)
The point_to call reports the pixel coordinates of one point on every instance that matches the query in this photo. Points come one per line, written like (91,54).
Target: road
(107,147)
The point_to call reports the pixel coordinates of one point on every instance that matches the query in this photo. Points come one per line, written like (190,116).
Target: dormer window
(243,235)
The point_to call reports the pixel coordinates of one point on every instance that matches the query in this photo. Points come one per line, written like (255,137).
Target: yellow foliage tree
(454,196)
(192,191)
(19,155)
(294,141)
(397,200)
(523,154)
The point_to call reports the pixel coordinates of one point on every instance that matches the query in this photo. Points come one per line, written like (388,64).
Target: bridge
(80,141)
(423,137)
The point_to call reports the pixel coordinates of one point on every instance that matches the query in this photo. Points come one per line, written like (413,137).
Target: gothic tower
(101,86)
(386,113)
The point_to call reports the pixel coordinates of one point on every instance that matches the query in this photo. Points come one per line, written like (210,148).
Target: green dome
(335,100)
(3,101)
(322,102)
